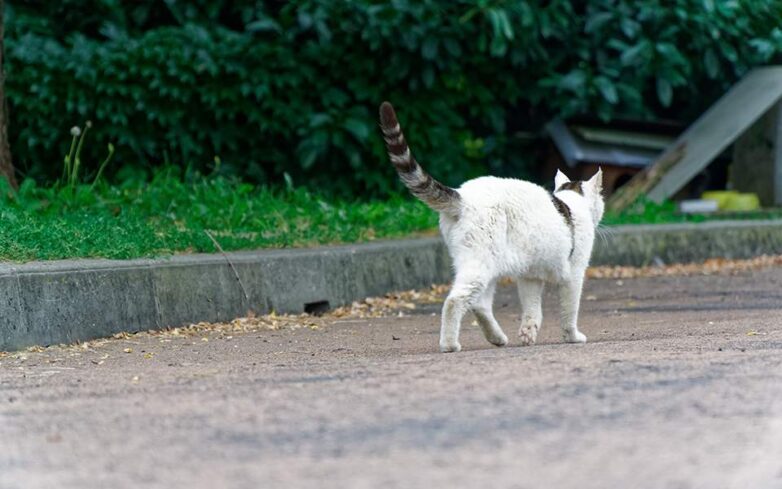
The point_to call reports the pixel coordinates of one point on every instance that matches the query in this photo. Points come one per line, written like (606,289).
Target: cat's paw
(450,346)
(498,339)
(574,337)
(528,333)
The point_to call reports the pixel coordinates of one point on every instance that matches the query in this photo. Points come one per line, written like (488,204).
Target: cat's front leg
(531,297)
(453,311)
(569,301)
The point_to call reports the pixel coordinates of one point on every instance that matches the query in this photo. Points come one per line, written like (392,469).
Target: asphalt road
(679,386)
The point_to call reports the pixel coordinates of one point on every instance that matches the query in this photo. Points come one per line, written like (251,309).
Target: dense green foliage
(267,88)
(173,214)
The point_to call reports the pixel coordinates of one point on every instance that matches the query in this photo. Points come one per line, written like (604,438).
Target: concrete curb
(66,301)
(642,245)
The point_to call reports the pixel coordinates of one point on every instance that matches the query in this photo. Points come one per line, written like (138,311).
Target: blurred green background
(257,90)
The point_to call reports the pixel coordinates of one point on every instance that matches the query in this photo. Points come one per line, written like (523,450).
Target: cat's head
(591,190)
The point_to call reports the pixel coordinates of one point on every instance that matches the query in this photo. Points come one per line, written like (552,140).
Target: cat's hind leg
(486,320)
(569,301)
(466,291)
(531,297)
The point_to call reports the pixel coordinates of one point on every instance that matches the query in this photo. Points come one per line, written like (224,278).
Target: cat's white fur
(509,227)
(496,227)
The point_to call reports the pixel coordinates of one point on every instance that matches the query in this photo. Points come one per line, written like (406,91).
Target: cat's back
(497,192)
(508,225)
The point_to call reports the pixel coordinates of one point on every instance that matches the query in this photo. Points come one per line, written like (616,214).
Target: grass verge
(647,212)
(169,215)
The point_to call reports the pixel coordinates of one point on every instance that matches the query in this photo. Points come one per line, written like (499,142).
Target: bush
(276,88)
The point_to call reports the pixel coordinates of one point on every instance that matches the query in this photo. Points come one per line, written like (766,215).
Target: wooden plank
(643,181)
(706,138)
(715,130)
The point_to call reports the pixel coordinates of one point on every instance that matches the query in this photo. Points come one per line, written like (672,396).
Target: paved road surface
(680,386)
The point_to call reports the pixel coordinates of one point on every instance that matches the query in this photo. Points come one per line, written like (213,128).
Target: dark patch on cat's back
(574,186)
(564,211)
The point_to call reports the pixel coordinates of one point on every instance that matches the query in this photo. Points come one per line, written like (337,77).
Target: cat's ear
(560,179)
(597,180)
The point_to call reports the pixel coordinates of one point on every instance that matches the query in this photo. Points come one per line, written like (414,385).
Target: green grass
(170,215)
(647,212)
(174,215)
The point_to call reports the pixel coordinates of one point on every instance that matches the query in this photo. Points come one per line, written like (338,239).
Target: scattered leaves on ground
(709,267)
(392,304)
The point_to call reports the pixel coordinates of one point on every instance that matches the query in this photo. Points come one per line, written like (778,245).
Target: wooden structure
(621,148)
(749,115)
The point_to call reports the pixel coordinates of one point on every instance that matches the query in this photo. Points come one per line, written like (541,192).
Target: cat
(496,227)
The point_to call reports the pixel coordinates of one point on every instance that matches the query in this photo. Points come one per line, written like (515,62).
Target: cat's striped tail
(436,195)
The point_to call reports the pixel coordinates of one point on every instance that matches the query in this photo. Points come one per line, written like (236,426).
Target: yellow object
(722,197)
(731,200)
(743,202)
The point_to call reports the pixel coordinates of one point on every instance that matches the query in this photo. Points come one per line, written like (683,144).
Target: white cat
(496,227)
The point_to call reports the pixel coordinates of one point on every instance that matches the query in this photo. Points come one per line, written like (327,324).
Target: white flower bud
(75,131)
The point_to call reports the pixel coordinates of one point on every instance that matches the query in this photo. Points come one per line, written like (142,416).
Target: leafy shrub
(268,88)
